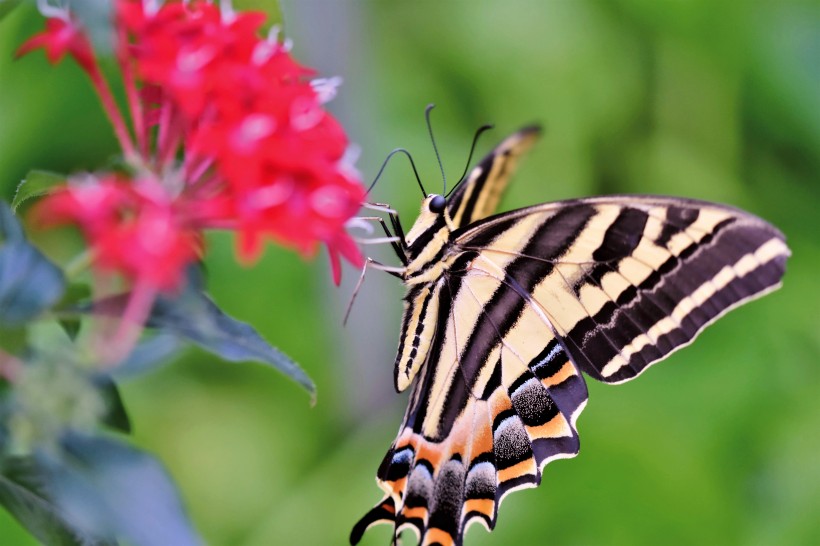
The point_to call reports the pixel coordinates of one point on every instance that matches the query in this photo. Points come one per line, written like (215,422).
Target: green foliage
(195,317)
(35,184)
(6,6)
(24,493)
(60,477)
(112,490)
(116,415)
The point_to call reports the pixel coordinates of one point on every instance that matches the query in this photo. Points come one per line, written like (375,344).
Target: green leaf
(147,355)
(6,6)
(116,415)
(105,486)
(195,317)
(24,493)
(29,282)
(35,184)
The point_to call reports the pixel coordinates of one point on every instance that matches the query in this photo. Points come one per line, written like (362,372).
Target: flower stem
(114,115)
(10,367)
(133,98)
(131,324)
(78,264)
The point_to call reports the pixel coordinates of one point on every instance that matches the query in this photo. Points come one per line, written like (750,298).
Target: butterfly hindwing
(477,428)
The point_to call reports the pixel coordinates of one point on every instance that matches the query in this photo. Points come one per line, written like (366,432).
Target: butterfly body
(504,312)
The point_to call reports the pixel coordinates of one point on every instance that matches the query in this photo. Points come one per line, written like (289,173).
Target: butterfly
(504,312)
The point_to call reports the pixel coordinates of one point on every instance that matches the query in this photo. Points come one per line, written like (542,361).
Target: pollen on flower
(250,131)
(305,113)
(329,201)
(272,195)
(326,88)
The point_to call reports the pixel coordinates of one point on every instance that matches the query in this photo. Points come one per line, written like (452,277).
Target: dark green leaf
(116,415)
(6,6)
(35,184)
(106,486)
(24,493)
(29,282)
(194,316)
(74,294)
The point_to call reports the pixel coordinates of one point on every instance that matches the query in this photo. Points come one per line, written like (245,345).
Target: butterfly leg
(396,241)
(369,262)
(395,221)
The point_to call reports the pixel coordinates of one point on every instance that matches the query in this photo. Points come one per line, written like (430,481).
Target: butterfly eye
(437,203)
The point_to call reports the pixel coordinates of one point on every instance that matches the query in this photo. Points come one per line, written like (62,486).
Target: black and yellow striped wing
(527,301)
(478,195)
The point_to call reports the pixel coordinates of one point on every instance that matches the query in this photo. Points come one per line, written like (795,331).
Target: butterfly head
(429,233)
(436,203)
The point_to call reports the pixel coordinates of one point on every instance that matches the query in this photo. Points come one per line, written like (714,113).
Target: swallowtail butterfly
(504,312)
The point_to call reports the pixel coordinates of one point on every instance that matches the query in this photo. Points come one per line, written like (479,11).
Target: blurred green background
(714,100)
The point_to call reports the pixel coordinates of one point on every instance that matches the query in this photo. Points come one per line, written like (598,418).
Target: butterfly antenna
(472,149)
(435,148)
(412,164)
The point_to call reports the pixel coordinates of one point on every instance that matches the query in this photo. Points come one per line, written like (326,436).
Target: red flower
(60,38)
(260,155)
(133,229)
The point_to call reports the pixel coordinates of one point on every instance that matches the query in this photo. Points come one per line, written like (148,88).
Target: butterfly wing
(491,406)
(605,285)
(474,198)
(477,196)
(641,277)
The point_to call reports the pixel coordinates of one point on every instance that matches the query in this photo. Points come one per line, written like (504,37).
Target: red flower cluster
(135,228)
(259,153)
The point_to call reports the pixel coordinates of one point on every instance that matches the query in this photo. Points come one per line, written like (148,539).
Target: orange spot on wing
(554,428)
(566,371)
(419,512)
(520,469)
(437,536)
(483,506)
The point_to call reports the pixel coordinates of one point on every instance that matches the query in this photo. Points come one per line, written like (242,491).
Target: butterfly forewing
(493,345)
(640,277)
